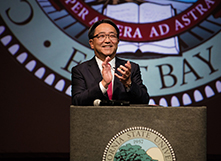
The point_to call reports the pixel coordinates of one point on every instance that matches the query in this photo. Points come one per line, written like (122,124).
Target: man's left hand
(125,78)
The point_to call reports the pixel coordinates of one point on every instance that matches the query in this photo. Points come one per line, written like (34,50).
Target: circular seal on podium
(139,143)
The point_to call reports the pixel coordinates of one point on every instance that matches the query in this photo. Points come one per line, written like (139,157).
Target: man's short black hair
(93,27)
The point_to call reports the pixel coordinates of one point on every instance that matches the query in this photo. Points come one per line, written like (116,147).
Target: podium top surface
(142,106)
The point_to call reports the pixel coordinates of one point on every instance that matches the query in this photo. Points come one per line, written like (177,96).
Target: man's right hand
(106,72)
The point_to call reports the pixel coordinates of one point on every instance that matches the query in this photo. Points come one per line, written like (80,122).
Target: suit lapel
(117,84)
(118,63)
(94,70)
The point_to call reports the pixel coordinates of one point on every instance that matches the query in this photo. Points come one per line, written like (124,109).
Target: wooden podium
(92,128)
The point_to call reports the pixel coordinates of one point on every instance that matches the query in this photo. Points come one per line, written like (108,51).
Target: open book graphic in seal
(147,12)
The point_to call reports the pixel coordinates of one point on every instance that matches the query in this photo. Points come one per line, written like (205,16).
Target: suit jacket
(85,84)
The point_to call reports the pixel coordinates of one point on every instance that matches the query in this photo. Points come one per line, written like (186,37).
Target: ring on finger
(120,68)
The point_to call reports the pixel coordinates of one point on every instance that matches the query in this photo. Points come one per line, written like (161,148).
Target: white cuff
(103,89)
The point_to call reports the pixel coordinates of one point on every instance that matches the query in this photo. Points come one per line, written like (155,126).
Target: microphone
(99,102)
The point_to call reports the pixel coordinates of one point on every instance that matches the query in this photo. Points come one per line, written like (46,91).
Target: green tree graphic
(132,153)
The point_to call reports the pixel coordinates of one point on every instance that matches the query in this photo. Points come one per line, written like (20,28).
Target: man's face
(103,44)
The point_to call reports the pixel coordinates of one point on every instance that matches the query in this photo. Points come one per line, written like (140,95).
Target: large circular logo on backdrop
(176,43)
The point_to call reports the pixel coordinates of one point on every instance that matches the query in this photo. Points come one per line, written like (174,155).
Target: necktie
(109,91)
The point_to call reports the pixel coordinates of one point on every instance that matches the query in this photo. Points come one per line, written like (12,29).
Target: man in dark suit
(105,76)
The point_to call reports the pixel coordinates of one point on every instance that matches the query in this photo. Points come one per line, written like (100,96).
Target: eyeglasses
(101,37)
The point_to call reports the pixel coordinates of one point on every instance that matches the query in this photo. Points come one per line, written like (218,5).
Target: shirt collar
(99,62)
